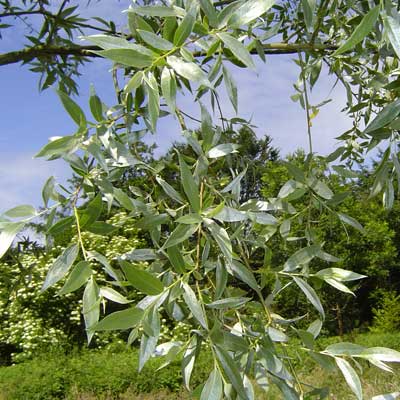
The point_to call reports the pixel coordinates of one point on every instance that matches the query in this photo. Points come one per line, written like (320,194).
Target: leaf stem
(78,228)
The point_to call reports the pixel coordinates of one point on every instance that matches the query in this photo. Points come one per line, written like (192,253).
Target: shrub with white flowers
(31,320)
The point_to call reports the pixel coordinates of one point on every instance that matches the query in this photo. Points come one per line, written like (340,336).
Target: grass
(110,375)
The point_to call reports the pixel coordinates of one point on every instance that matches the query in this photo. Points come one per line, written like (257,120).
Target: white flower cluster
(31,321)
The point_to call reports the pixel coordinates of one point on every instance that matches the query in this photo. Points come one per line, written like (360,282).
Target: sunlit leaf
(119,320)
(310,294)
(8,234)
(77,278)
(249,11)
(238,49)
(61,266)
(362,30)
(350,376)
(142,280)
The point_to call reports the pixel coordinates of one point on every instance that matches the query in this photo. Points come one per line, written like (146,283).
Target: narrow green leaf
(59,147)
(338,285)
(129,57)
(104,262)
(169,28)
(157,11)
(125,319)
(189,185)
(189,358)
(60,226)
(176,259)
(277,335)
(155,41)
(228,302)
(222,150)
(212,389)
(101,228)
(91,212)
(170,191)
(249,11)
(20,212)
(308,9)
(168,88)
(362,30)
(108,42)
(74,111)
(152,221)
(320,188)
(61,266)
(113,295)
(148,346)
(96,107)
(207,129)
(231,88)
(141,255)
(90,306)
(221,237)
(210,12)
(263,218)
(392,28)
(387,115)
(97,152)
(228,214)
(77,278)
(8,234)
(351,221)
(238,49)
(48,191)
(188,70)
(180,234)
(221,280)
(301,257)
(153,105)
(339,274)
(244,274)
(310,294)
(136,22)
(190,219)
(235,184)
(350,376)
(231,371)
(185,28)
(344,349)
(315,328)
(134,82)
(142,280)
(194,305)
(123,199)
(381,354)
(387,396)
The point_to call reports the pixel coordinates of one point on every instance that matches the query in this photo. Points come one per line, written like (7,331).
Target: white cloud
(264,97)
(22,177)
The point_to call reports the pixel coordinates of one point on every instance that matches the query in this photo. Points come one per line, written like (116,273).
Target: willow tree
(199,269)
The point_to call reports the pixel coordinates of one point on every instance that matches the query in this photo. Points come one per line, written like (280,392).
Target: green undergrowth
(112,374)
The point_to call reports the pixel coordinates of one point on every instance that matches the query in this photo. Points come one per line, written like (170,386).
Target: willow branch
(19,13)
(30,53)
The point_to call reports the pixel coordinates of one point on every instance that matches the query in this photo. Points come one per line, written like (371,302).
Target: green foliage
(32,320)
(112,373)
(386,315)
(202,263)
(108,372)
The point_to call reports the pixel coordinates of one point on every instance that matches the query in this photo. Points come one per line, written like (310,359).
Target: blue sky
(29,117)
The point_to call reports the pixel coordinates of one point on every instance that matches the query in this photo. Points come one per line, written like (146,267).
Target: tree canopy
(204,236)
